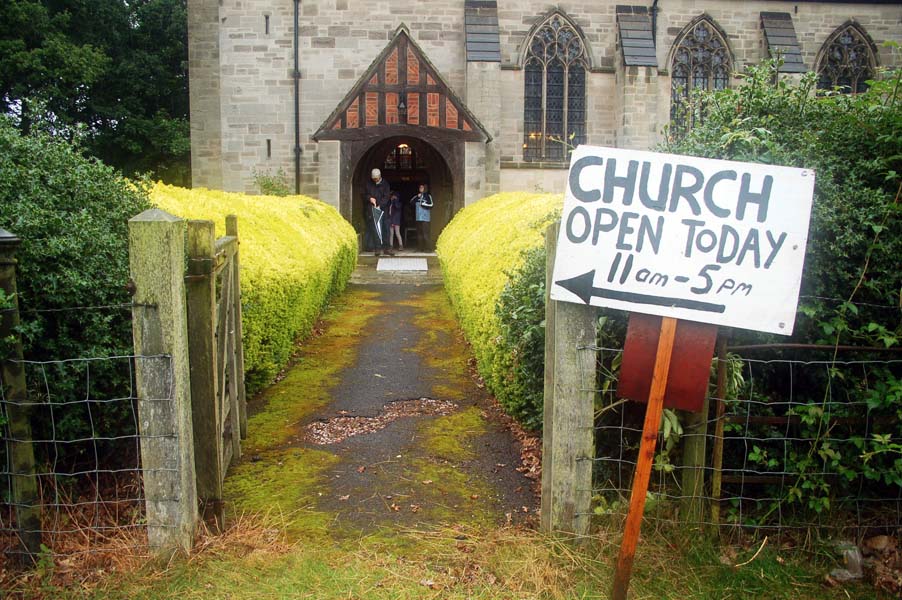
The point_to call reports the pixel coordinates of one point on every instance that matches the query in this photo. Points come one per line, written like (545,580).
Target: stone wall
(249,99)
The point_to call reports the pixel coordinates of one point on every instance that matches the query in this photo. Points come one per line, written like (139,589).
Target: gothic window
(847,61)
(701,61)
(555,91)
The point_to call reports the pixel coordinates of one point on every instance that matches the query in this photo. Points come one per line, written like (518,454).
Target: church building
(475,97)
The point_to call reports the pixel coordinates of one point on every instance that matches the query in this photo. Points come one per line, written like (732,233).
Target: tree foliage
(112,73)
(71,213)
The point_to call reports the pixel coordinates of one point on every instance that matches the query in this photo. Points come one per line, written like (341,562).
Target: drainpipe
(297,101)
(654,23)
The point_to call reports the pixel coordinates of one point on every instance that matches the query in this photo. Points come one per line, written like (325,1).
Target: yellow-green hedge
(479,250)
(295,253)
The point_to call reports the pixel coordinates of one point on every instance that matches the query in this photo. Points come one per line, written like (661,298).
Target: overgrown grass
(253,560)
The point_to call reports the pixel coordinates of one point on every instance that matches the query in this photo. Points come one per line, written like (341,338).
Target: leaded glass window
(401,158)
(554,92)
(701,61)
(847,62)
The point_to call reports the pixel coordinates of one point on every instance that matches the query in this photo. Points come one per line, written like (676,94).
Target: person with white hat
(378,195)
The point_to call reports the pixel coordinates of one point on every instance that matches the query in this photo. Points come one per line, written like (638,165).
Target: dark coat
(380,191)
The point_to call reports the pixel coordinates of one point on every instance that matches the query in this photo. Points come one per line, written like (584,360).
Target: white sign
(707,240)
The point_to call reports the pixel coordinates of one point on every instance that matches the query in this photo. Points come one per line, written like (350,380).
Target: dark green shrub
(854,143)
(850,285)
(71,213)
(521,313)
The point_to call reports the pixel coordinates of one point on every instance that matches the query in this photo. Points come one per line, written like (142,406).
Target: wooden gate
(216,356)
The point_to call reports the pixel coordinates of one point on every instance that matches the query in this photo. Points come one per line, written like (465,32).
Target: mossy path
(380,345)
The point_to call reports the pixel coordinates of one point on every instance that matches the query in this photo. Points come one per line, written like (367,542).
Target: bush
(854,143)
(488,256)
(851,281)
(296,252)
(71,214)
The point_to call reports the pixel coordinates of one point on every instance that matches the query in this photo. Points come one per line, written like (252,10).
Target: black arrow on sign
(583,286)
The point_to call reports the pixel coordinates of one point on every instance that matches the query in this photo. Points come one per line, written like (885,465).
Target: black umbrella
(377,221)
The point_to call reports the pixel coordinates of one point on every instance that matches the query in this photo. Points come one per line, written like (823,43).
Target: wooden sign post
(713,242)
(646,457)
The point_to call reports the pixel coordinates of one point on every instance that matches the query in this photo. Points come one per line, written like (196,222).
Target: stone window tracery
(701,61)
(554,91)
(847,61)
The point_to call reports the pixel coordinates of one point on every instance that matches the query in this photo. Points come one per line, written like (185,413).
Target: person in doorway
(423,202)
(395,231)
(378,195)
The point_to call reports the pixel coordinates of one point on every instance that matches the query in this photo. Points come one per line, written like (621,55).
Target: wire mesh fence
(85,437)
(790,444)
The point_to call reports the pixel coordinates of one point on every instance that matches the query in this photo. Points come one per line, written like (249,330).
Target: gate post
(156,242)
(200,287)
(232,230)
(568,445)
(12,378)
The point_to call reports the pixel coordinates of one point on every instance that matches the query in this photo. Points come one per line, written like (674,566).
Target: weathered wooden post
(232,230)
(568,444)
(159,326)
(205,406)
(719,410)
(12,380)
(695,438)
(695,430)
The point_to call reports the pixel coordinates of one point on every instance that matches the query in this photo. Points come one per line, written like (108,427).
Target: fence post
(200,286)
(232,230)
(568,444)
(719,409)
(12,377)
(156,242)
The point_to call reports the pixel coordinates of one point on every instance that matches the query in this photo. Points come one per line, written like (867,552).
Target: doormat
(402,264)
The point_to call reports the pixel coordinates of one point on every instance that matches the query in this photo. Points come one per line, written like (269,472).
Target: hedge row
(483,253)
(296,252)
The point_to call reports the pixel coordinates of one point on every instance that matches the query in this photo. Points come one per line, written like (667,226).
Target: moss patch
(452,437)
(455,495)
(306,386)
(441,346)
(283,484)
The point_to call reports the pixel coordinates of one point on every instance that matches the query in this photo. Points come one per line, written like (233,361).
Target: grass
(255,559)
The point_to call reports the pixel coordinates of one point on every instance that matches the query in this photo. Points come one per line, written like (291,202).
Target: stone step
(367,273)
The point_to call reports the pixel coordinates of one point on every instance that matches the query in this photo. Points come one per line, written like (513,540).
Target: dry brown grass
(509,562)
(83,557)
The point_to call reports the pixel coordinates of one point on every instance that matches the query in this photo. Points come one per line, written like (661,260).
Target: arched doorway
(401,99)
(405,163)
